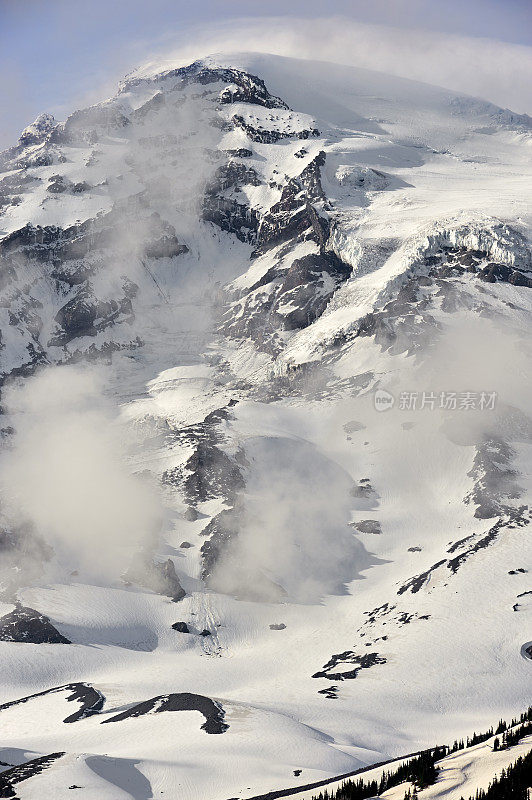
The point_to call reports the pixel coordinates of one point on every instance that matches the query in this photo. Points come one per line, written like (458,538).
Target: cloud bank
(66,473)
(497,71)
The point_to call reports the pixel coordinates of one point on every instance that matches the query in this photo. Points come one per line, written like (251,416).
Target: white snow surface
(408,167)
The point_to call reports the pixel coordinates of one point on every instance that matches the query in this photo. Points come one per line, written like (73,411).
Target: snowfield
(203,282)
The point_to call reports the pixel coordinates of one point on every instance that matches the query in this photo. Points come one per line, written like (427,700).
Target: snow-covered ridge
(228,258)
(497,240)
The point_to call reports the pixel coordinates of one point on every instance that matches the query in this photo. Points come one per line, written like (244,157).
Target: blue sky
(58,54)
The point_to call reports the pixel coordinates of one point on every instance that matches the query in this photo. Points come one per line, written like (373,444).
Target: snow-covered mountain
(266,434)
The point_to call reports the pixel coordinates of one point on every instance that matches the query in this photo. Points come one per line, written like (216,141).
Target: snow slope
(238,264)
(460,774)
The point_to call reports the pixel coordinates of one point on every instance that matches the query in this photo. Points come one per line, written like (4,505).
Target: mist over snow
(294,538)
(484,67)
(213,534)
(66,473)
(482,48)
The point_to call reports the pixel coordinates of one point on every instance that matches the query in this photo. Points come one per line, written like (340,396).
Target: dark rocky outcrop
(181,627)
(294,214)
(85,315)
(330,692)
(242,582)
(292,299)
(294,292)
(232,216)
(364,661)
(240,152)
(182,701)
(90,699)
(243,87)
(11,777)
(452,261)
(27,625)
(221,530)
(167,246)
(265,136)
(66,263)
(512,518)
(160,577)
(418,581)
(223,209)
(404,324)
(13,186)
(368,526)
(363,489)
(495,481)
(58,184)
(209,472)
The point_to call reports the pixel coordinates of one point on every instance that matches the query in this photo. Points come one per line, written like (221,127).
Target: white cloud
(497,71)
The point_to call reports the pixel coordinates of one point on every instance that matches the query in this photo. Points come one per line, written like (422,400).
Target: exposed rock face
(167,246)
(15,775)
(13,186)
(407,323)
(495,480)
(364,661)
(181,627)
(85,315)
(243,87)
(27,625)
(221,530)
(452,261)
(270,136)
(236,579)
(90,699)
(58,184)
(364,489)
(295,213)
(209,472)
(161,578)
(511,518)
(368,526)
(294,292)
(224,209)
(183,701)
(286,299)
(38,130)
(67,263)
